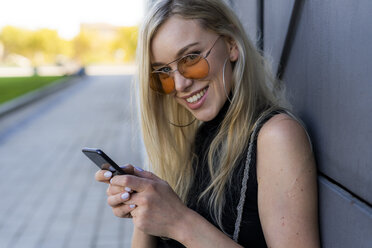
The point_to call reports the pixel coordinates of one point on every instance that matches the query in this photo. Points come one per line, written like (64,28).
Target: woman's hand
(105,176)
(155,207)
(139,239)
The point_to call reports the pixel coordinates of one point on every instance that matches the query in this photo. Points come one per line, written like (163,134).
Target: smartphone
(103,161)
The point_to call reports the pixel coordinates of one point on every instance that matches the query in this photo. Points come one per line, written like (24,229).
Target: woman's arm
(143,240)
(287,185)
(196,232)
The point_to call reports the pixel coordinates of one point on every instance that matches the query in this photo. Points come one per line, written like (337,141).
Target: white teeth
(196,97)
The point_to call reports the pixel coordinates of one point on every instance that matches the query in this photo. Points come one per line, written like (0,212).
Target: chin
(205,115)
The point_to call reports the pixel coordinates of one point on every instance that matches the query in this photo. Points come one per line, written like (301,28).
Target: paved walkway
(49,197)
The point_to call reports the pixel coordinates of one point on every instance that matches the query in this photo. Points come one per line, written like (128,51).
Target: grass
(12,87)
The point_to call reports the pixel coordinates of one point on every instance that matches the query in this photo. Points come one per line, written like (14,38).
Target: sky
(66,15)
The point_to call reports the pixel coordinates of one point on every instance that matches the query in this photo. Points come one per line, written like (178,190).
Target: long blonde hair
(254,90)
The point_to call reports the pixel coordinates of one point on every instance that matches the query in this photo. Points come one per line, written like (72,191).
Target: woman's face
(178,37)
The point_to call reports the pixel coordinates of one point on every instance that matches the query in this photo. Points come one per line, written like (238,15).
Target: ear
(233,50)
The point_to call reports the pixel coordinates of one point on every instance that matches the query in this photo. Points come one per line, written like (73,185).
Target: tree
(40,46)
(126,41)
(96,43)
(15,40)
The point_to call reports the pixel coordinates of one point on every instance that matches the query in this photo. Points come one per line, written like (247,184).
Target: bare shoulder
(283,135)
(283,129)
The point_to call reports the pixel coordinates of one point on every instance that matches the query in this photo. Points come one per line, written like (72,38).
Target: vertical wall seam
(291,32)
(260,21)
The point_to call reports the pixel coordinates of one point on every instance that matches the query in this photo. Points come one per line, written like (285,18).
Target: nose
(181,83)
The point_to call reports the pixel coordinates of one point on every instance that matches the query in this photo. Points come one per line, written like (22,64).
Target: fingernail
(125,196)
(123,166)
(128,189)
(132,206)
(138,168)
(108,174)
(111,180)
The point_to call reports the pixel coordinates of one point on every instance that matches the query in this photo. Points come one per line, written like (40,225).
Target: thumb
(144,174)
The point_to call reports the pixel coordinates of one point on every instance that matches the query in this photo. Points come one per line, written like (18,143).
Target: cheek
(217,96)
(180,101)
(228,76)
(220,78)
(217,61)
(215,68)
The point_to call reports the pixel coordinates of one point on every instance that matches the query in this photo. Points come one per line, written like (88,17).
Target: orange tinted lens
(162,82)
(193,67)
(167,83)
(155,83)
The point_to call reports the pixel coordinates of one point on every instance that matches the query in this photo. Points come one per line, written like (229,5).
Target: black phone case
(103,161)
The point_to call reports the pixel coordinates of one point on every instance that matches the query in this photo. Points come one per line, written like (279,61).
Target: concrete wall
(328,76)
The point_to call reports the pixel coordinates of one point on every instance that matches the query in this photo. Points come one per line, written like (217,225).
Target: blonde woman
(230,166)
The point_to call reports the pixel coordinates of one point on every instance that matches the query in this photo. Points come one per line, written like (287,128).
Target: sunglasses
(191,66)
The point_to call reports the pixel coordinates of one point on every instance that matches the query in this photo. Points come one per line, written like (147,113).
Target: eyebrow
(179,53)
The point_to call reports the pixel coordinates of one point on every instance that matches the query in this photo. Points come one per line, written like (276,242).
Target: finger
(130,182)
(145,174)
(118,199)
(114,189)
(127,168)
(122,211)
(103,176)
(134,200)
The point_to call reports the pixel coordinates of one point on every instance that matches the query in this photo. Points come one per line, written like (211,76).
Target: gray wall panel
(277,14)
(328,78)
(329,82)
(248,15)
(345,222)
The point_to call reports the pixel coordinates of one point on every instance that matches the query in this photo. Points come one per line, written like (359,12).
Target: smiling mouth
(197,96)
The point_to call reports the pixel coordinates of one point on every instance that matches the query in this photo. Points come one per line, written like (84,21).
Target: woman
(233,167)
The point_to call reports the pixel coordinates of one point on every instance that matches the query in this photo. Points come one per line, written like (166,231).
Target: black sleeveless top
(250,234)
